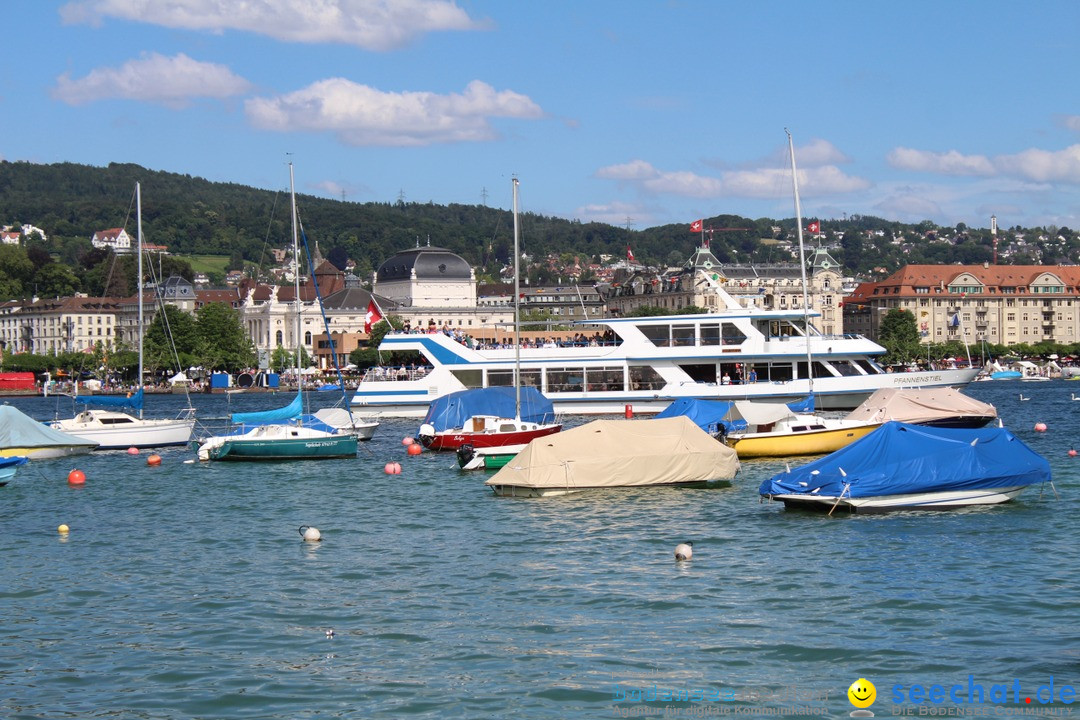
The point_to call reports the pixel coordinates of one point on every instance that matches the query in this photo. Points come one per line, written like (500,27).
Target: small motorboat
(913,467)
(486,458)
(773,430)
(8,466)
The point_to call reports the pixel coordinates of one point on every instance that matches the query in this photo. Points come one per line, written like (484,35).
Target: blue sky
(621,111)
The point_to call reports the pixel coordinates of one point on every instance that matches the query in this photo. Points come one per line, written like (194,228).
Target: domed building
(435,286)
(428,277)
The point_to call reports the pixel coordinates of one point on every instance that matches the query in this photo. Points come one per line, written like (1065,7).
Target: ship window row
(576,379)
(693,334)
(570,379)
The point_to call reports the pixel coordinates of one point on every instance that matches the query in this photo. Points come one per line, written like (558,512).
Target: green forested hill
(193,216)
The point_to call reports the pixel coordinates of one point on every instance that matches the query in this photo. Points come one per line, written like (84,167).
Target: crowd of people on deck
(458,335)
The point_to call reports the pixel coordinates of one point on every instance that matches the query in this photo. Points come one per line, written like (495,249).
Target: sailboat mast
(802,262)
(138,252)
(517,309)
(296,273)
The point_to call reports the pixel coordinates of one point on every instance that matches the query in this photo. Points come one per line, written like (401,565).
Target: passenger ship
(647,362)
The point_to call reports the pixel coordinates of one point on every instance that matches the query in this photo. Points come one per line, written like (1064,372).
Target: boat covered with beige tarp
(940,407)
(617,454)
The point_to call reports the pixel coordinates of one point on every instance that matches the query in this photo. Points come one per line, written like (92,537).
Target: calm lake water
(185,590)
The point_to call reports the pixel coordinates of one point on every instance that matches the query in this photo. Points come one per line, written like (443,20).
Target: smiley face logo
(862,693)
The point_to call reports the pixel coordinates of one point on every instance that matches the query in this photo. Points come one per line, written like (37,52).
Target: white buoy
(330,634)
(684,551)
(310,534)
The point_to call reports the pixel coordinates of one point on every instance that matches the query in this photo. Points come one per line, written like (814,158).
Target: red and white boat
(485,431)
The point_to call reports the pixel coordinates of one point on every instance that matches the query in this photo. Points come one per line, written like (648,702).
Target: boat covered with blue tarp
(902,466)
(454,409)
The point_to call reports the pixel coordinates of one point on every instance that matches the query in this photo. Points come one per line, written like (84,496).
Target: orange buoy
(629,412)
(76,477)
(133,450)
(1072,453)
(1040,427)
(415,449)
(407,441)
(153,460)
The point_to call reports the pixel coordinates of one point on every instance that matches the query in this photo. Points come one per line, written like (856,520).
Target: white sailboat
(114,429)
(285,433)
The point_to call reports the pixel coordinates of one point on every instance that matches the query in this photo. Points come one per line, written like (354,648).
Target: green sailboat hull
(286,449)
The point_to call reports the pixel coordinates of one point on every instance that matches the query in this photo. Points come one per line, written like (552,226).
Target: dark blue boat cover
(133,401)
(706,414)
(709,415)
(452,410)
(900,459)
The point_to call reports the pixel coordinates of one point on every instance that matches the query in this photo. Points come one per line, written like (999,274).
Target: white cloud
(1072,122)
(362,115)
(172,81)
(1043,165)
(759,183)
(633,170)
(370,24)
(816,153)
(949,163)
(1033,164)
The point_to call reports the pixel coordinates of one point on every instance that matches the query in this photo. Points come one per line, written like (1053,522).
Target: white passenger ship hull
(645,369)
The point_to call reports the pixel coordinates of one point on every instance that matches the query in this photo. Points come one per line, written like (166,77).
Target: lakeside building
(1001,304)
(770,286)
(56,325)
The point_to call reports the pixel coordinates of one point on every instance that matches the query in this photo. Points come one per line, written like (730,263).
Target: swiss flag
(373,316)
(629,254)
(696,226)
(814,227)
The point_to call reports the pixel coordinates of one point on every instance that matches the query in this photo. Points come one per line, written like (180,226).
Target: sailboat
(772,429)
(480,417)
(284,433)
(113,429)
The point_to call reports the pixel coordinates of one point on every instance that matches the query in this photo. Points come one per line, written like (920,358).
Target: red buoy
(414,449)
(1040,427)
(154,460)
(407,441)
(76,477)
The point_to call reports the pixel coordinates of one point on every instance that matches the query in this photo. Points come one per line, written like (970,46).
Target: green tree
(899,335)
(283,360)
(223,344)
(16,272)
(171,329)
(56,280)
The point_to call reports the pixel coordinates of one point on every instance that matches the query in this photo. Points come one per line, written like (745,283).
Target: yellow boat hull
(786,444)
